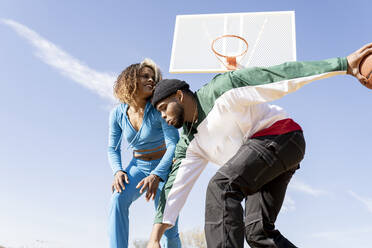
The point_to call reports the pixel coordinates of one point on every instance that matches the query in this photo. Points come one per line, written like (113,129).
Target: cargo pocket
(267,159)
(289,148)
(253,225)
(255,168)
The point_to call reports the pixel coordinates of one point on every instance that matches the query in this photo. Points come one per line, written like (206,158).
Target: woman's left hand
(150,183)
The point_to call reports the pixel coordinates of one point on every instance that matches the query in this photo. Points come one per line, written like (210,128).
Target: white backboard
(271,40)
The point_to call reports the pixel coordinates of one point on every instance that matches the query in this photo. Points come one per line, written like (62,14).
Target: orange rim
(232,36)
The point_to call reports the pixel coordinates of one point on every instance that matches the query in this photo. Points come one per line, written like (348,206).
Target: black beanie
(167,87)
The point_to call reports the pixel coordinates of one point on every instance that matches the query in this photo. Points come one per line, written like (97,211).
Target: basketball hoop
(221,45)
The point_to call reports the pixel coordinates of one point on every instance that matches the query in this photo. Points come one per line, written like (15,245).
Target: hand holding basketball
(360,65)
(365,67)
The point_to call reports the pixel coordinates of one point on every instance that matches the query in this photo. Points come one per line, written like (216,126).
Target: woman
(153,143)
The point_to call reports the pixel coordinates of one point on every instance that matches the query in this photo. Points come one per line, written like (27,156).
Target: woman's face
(145,82)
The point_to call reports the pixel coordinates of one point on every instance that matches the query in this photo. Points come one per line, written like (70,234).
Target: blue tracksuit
(153,133)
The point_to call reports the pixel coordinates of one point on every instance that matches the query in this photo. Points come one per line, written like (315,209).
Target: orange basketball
(365,68)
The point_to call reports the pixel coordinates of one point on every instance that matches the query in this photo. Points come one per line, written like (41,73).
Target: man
(229,122)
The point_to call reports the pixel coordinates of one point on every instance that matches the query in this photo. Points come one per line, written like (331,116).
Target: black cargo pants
(259,173)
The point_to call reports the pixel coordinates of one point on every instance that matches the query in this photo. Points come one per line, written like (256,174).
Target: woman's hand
(150,183)
(119,179)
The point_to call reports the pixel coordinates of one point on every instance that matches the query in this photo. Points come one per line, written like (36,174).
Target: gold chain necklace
(193,120)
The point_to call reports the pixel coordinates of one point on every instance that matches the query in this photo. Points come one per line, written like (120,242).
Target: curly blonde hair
(125,86)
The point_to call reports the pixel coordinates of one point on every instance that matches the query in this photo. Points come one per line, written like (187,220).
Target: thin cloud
(297,185)
(288,204)
(35,244)
(347,236)
(366,201)
(49,53)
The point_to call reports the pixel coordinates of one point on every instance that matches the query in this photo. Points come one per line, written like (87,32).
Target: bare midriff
(150,154)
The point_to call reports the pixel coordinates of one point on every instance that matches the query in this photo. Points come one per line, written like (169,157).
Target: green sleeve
(290,70)
(256,76)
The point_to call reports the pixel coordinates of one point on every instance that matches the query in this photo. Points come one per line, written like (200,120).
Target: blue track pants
(120,203)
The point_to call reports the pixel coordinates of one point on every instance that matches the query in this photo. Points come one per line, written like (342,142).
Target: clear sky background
(58,60)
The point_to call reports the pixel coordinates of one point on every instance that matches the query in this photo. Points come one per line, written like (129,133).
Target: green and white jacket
(232,107)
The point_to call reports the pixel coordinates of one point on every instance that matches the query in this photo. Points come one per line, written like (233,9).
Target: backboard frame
(177,32)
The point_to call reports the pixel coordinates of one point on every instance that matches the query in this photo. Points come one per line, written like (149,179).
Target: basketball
(365,68)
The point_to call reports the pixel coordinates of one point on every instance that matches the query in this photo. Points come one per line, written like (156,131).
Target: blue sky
(58,60)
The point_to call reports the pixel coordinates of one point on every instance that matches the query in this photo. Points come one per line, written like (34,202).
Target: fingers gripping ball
(365,68)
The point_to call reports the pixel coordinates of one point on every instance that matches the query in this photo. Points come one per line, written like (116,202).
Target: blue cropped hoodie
(153,133)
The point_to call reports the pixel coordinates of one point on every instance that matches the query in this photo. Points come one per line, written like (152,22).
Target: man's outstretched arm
(257,85)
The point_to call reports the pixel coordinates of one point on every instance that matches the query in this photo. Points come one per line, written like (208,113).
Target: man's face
(171,111)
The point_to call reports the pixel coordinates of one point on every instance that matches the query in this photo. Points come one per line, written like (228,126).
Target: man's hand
(119,179)
(157,231)
(153,244)
(354,60)
(150,183)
